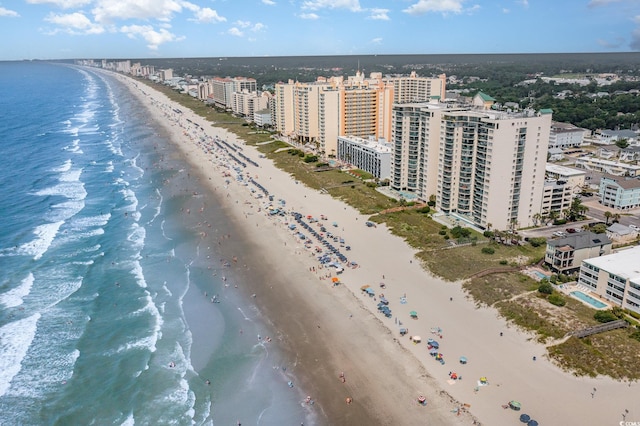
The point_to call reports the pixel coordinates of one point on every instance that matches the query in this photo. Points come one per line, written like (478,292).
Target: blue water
(98,262)
(540,275)
(588,299)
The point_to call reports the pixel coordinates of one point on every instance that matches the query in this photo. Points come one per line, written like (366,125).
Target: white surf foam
(15,339)
(15,296)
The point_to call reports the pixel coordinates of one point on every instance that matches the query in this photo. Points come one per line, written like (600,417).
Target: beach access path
(386,372)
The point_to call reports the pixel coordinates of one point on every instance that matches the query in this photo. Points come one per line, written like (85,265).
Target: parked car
(571,230)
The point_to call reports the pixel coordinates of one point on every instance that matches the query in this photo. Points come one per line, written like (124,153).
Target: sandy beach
(333,329)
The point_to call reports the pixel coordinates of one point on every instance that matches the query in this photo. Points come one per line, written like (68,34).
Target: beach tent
(335,279)
(370,291)
(413,314)
(417,339)
(524,418)
(433,351)
(403,331)
(515,405)
(463,360)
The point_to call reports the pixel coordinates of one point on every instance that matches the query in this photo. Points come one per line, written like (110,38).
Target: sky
(122,29)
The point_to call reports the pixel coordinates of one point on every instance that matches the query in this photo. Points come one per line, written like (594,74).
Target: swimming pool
(588,299)
(540,275)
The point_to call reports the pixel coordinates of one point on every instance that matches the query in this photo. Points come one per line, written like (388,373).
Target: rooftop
(563,170)
(580,240)
(625,263)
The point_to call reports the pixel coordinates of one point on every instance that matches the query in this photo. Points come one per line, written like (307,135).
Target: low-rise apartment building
(369,155)
(561,186)
(615,277)
(607,166)
(619,192)
(566,135)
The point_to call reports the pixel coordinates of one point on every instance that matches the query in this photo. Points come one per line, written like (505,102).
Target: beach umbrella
(433,351)
(335,279)
(413,314)
(515,405)
(463,360)
(532,423)
(417,339)
(364,287)
(524,418)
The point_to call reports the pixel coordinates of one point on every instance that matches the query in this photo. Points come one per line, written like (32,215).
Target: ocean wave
(66,166)
(15,296)
(44,237)
(15,339)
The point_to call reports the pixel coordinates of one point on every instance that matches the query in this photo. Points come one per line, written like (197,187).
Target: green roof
(485,97)
(546,111)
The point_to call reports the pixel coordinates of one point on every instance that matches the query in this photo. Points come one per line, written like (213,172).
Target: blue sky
(60,29)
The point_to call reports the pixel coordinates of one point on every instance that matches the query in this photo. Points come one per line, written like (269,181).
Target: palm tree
(607,216)
(537,218)
(616,217)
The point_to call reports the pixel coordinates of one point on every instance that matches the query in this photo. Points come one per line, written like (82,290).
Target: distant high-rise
(321,111)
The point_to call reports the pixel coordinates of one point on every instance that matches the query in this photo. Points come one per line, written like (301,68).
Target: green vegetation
(557,299)
(545,287)
(605,316)
(537,241)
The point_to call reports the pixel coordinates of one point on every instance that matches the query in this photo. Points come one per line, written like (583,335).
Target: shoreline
(385,372)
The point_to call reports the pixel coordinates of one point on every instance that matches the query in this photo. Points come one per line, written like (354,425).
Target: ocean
(108,290)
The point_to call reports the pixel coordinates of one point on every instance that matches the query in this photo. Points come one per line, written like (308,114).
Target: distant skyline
(66,29)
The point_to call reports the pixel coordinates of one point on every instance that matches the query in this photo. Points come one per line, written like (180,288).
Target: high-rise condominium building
(412,88)
(222,89)
(485,167)
(321,111)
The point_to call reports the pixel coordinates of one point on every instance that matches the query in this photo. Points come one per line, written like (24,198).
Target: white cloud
(269,2)
(63,4)
(110,10)
(258,27)
(243,24)
(310,16)
(352,5)
(438,6)
(74,23)
(235,32)
(153,38)
(505,10)
(8,13)
(379,14)
(377,40)
(524,3)
(619,41)
(207,16)
(597,3)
